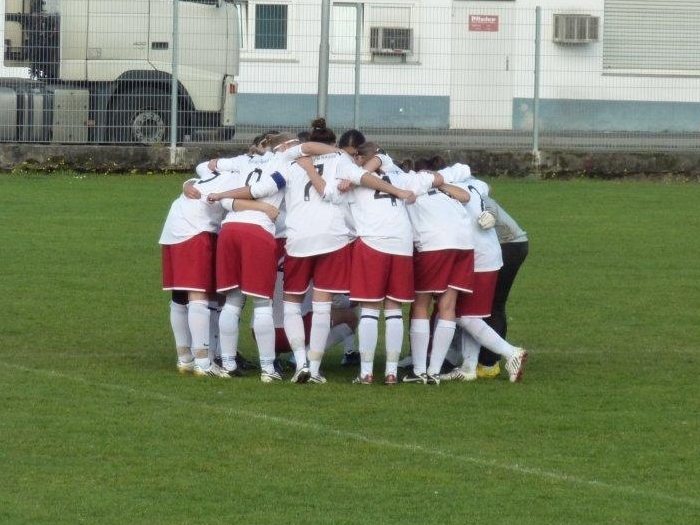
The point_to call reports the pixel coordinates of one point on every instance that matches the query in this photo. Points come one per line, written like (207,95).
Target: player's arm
(318,148)
(267,209)
(455,192)
(373,164)
(317,181)
(372,181)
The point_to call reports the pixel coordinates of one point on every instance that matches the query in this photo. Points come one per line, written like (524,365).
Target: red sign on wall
(483,23)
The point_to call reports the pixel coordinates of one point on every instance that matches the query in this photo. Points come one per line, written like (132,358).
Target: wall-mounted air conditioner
(391,40)
(575,29)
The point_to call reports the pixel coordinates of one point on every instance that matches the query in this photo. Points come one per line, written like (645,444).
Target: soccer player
(472,308)
(514,249)
(382,263)
(188,241)
(443,267)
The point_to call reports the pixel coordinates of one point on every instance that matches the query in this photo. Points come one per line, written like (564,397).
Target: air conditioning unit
(391,40)
(575,29)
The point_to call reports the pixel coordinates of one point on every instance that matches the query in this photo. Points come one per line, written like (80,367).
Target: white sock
(229,320)
(393,339)
(470,352)
(198,320)
(264,328)
(180,325)
(419,333)
(367,335)
(444,330)
(486,336)
(214,311)
(320,327)
(294,330)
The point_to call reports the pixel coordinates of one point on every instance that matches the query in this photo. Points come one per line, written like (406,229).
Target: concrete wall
(553,164)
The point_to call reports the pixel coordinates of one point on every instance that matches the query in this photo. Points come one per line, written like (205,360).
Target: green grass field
(97,427)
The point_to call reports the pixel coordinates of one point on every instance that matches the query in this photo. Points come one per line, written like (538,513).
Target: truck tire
(141,117)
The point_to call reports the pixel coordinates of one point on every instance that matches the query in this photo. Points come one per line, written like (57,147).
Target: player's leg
(444,331)
(181,331)
(367,335)
(393,339)
(229,321)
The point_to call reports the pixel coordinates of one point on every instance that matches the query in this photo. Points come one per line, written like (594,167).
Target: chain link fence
(455,74)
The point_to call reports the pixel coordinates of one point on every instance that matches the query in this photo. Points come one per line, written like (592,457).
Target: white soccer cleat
(514,365)
(318,379)
(270,377)
(185,368)
(457,374)
(302,375)
(214,370)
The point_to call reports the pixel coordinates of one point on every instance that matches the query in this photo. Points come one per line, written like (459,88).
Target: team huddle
(312,232)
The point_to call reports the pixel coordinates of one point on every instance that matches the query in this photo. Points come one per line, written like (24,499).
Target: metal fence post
(536,94)
(173,81)
(359,8)
(323,59)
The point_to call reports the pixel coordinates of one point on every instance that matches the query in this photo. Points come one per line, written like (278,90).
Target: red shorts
(330,272)
(436,271)
(478,303)
(377,275)
(246,257)
(189,265)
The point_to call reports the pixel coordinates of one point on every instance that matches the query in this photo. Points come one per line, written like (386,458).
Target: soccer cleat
(411,377)
(301,376)
(457,374)
(185,368)
(317,379)
(433,379)
(514,365)
(270,377)
(453,375)
(350,358)
(488,372)
(363,380)
(390,379)
(214,370)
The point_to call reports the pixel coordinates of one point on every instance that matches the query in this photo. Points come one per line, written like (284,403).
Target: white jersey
(241,162)
(439,223)
(251,171)
(315,224)
(487,249)
(190,217)
(381,219)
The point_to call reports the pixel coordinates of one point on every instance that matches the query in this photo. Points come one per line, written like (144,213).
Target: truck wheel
(142,118)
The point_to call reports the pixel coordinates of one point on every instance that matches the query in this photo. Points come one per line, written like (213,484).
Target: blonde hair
(273,141)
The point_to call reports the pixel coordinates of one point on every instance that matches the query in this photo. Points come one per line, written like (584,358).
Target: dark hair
(422,163)
(437,162)
(320,133)
(406,165)
(352,138)
(303,136)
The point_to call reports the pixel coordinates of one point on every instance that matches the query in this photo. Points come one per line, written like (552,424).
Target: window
(270,26)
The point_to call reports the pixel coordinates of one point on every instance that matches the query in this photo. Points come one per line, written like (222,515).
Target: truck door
(203,43)
(117,38)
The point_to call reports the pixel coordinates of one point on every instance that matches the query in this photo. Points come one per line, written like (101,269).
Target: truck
(102,71)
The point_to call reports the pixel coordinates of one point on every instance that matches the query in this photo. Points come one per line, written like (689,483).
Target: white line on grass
(409,447)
